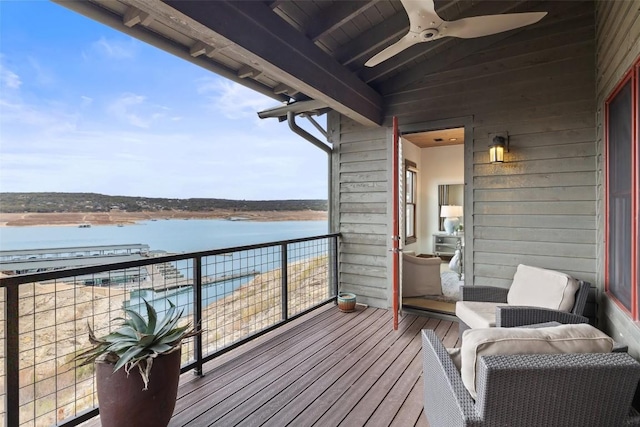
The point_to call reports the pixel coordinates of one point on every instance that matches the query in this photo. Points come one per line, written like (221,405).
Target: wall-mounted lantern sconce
(497,148)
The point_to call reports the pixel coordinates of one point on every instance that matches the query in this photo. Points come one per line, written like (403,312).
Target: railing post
(285,281)
(197,313)
(334,264)
(12,353)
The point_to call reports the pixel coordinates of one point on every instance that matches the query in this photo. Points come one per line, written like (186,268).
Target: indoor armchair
(420,276)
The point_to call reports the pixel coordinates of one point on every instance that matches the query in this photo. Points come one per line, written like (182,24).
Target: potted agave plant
(151,345)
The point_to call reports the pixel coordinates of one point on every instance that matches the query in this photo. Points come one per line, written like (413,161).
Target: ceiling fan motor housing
(429,34)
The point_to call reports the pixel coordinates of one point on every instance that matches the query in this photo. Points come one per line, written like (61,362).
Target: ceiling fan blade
(407,41)
(422,14)
(479,26)
(418,5)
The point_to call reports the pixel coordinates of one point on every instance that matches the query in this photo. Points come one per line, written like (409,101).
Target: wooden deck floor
(327,369)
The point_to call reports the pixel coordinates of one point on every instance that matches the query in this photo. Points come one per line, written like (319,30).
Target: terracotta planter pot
(123,402)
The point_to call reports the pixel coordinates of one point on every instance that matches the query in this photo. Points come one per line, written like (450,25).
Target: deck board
(350,408)
(327,368)
(375,391)
(331,385)
(412,407)
(250,370)
(301,371)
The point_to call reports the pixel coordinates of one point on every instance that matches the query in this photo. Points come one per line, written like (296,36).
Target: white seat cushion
(533,286)
(477,314)
(580,338)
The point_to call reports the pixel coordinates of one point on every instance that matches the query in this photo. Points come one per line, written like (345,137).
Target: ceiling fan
(425,25)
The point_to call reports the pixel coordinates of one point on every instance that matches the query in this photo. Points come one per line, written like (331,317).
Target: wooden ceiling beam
(386,68)
(447,55)
(281,52)
(247,71)
(200,48)
(284,89)
(334,16)
(134,16)
(276,3)
(360,49)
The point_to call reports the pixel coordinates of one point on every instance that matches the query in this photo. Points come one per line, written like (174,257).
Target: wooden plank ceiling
(301,49)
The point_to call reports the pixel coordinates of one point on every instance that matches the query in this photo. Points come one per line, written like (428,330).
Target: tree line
(93,202)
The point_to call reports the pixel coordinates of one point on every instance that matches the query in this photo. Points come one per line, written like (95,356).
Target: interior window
(411,180)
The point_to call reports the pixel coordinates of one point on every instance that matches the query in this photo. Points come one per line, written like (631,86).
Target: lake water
(170,235)
(178,236)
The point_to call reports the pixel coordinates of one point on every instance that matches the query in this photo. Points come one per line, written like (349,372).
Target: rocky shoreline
(127,218)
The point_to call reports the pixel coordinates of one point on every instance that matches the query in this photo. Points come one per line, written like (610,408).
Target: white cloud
(47,119)
(116,48)
(8,78)
(43,76)
(112,159)
(86,101)
(233,100)
(134,109)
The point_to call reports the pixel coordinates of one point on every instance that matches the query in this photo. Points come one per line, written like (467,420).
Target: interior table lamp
(451,215)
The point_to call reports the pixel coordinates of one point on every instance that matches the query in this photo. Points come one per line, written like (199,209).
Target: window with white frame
(410,202)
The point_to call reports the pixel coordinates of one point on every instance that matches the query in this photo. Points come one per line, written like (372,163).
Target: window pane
(411,186)
(619,197)
(410,221)
(410,203)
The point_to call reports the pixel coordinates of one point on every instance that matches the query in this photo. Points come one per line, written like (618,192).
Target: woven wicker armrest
(544,389)
(483,293)
(447,401)
(633,420)
(581,297)
(513,316)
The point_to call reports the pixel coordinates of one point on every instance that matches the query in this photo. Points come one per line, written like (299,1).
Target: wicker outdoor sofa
(530,390)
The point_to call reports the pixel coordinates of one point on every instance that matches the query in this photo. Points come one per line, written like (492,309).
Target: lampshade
(496,150)
(450,211)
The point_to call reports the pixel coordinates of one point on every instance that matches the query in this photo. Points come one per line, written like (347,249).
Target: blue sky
(84,108)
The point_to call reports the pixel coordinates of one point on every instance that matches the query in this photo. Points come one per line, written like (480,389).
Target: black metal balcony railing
(234,294)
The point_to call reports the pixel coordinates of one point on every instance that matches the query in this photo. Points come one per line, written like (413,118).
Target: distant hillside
(92,202)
